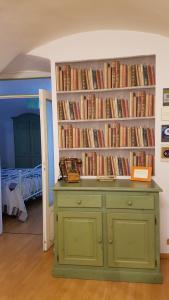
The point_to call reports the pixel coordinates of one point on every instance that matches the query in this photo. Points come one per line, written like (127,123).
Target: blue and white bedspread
(19,185)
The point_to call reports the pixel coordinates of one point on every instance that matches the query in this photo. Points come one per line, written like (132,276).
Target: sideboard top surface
(116,185)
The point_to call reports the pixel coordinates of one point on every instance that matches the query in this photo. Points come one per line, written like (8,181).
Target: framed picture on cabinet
(70,169)
(141,173)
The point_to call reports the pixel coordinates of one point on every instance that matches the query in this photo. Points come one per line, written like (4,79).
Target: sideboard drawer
(69,199)
(130,201)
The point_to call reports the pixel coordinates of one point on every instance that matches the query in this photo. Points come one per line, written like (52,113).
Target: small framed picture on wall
(165,106)
(165,153)
(165,133)
(166,97)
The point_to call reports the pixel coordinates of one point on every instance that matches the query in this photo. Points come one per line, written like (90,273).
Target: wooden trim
(104,148)
(127,88)
(145,276)
(13,97)
(23,78)
(106,120)
(164,255)
(105,59)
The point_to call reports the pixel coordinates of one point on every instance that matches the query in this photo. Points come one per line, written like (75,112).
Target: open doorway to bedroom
(20,152)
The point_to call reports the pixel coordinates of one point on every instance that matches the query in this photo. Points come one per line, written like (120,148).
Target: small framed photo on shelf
(141,173)
(165,153)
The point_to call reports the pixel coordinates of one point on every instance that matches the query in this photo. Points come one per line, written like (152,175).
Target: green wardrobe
(27,140)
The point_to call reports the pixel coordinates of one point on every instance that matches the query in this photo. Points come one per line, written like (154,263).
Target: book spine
(105,75)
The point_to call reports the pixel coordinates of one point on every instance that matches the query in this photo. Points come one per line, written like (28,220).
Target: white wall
(111,44)
(26,66)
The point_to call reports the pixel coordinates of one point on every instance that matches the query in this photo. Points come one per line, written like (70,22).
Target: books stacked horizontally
(140,104)
(94,164)
(113,136)
(112,75)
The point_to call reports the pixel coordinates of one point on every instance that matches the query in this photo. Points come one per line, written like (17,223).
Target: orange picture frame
(141,173)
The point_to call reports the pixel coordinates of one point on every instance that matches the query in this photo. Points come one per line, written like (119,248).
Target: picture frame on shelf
(141,173)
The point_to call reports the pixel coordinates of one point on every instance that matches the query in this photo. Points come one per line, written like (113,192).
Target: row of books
(117,135)
(114,135)
(141,158)
(72,137)
(117,74)
(140,104)
(94,164)
(112,75)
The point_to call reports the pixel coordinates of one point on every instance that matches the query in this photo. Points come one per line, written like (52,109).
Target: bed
(18,186)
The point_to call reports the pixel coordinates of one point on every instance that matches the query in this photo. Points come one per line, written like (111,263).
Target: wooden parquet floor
(32,225)
(25,274)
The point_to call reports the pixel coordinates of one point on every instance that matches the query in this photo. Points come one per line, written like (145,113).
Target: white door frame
(48,209)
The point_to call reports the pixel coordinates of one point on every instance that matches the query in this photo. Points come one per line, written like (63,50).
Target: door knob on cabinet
(79,202)
(130,203)
(110,241)
(100,241)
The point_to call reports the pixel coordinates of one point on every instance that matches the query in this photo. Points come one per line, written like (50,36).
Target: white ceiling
(26,24)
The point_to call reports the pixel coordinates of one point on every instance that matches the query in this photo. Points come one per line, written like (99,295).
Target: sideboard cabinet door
(131,240)
(80,238)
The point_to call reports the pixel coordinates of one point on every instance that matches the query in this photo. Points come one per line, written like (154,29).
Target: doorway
(21,153)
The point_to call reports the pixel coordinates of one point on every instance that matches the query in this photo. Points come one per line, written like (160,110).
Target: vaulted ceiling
(26,24)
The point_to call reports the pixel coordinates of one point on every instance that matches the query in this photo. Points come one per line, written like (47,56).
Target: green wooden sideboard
(107,230)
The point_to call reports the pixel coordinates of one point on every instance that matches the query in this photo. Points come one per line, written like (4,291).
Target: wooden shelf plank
(104,148)
(106,120)
(107,90)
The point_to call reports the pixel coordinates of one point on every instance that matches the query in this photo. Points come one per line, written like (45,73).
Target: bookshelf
(106,113)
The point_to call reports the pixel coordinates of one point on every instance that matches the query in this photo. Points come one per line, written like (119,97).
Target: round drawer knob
(100,241)
(79,202)
(130,203)
(110,241)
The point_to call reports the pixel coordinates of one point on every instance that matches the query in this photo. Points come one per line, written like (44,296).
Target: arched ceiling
(26,24)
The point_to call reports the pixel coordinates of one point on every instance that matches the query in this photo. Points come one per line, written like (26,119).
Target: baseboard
(164,255)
